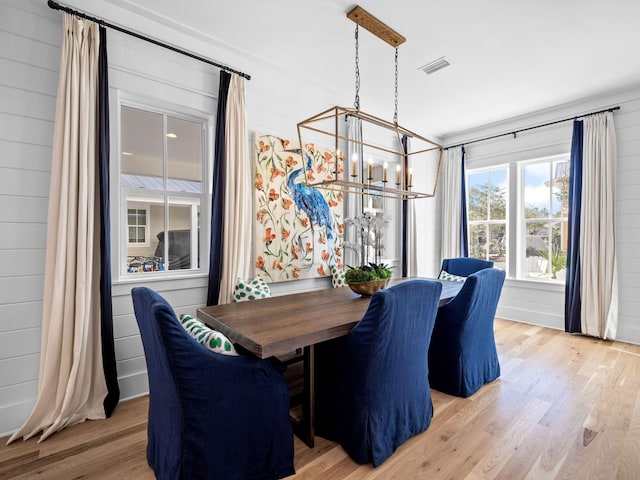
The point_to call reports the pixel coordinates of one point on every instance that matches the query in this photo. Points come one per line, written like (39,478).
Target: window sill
(550,286)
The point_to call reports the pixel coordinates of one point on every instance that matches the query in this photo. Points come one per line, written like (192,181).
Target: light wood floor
(566,407)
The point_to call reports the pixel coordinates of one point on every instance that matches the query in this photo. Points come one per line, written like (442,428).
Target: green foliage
(366,273)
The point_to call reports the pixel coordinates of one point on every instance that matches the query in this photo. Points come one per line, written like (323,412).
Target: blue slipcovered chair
(211,416)
(462,354)
(372,386)
(464,266)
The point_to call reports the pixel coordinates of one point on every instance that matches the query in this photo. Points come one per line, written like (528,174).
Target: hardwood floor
(565,407)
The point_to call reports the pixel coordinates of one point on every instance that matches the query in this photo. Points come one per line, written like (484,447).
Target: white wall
(543,304)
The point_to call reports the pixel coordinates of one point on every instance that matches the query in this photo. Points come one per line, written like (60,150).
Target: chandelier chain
(395,115)
(356,102)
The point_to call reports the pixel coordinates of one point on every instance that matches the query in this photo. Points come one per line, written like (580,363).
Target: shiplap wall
(543,304)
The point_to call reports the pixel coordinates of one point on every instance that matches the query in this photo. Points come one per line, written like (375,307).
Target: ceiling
(508,58)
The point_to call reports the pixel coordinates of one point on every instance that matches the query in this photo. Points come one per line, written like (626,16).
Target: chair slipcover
(462,354)
(464,266)
(211,416)
(372,386)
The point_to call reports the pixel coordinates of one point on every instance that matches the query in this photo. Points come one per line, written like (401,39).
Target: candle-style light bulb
(354,165)
(370,170)
(410,177)
(384,172)
(397,174)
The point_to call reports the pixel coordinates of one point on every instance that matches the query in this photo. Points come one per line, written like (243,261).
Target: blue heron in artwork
(311,201)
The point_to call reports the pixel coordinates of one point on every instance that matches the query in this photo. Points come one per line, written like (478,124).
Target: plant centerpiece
(369,276)
(367,279)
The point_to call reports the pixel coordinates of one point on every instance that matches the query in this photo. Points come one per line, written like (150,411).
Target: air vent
(435,65)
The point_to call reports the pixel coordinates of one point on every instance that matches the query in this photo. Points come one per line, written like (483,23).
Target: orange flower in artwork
(296,271)
(339,265)
(325,255)
(285,144)
(277,265)
(263,147)
(290,162)
(321,239)
(310,176)
(321,271)
(309,247)
(340,196)
(295,252)
(260,262)
(275,173)
(268,236)
(338,252)
(286,203)
(333,203)
(273,195)
(261,216)
(285,233)
(341,228)
(328,156)
(305,222)
(310,147)
(259,183)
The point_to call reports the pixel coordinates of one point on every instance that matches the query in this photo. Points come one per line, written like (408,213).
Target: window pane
(498,245)
(183,234)
(498,194)
(478,241)
(560,190)
(536,190)
(537,251)
(184,153)
(478,188)
(142,141)
(142,256)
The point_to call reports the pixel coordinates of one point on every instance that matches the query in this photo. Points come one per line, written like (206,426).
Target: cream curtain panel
(599,277)
(411,252)
(71,386)
(237,205)
(451,202)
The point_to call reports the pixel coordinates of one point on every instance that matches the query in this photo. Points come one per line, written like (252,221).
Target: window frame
(121,193)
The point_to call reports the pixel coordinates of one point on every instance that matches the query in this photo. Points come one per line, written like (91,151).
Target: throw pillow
(253,290)
(211,339)
(337,277)
(449,277)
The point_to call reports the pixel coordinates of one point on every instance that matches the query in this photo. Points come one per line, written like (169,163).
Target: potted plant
(367,279)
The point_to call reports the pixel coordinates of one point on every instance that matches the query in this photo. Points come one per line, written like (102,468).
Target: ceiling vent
(435,65)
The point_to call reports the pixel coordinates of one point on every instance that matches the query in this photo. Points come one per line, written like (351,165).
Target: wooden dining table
(282,324)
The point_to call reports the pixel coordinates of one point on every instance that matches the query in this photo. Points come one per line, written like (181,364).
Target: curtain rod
(611,109)
(57,6)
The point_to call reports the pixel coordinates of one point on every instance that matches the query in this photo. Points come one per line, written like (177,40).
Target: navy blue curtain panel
(106,311)
(217,198)
(405,212)
(464,234)
(572,306)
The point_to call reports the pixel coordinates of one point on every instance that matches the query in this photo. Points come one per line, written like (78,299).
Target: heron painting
(299,229)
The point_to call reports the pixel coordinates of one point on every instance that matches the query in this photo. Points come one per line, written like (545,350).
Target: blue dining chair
(464,266)
(462,353)
(372,385)
(211,416)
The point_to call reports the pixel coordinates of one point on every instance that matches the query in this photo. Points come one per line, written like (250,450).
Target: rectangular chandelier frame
(328,122)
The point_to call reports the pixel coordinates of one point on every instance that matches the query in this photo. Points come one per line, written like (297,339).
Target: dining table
(279,325)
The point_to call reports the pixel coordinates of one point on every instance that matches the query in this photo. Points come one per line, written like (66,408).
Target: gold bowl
(366,289)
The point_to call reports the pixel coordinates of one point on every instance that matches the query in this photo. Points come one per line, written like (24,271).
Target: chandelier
(374,146)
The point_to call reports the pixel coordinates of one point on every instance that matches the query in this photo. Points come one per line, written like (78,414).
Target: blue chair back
(373,388)
(462,353)
(211,416)
(464,266)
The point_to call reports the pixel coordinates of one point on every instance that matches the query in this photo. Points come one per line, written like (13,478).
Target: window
(487,200)
(536,230)
(545,190)
(161,172)
(137,226)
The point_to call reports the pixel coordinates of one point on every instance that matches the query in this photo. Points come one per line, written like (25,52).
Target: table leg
(305,429)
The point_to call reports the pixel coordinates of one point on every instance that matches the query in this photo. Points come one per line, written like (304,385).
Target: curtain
(409,254)
(572,313)
(71,385)
(216,252)
(354,250)
(598,264)
(106,311)
(453,204)
(464,233)
(236,235)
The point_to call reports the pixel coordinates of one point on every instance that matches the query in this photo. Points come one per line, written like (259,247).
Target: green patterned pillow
(211,339)
(337,277)
(253,290)
(450,277)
